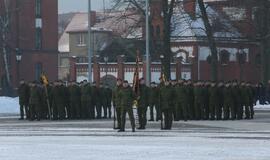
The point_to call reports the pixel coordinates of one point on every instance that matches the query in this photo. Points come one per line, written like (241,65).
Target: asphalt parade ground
(96,139)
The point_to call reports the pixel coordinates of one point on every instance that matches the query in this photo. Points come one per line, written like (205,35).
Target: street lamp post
(18,60)
(106,59)
(148,70)
(161,59)
(89,44)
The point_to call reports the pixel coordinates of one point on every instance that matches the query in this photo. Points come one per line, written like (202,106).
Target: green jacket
(35,96)
(24,94)
(213,96)
(154,95)
(86,93)
(75,94)
(144,96)
(127,96)
(166,97)
(116,96)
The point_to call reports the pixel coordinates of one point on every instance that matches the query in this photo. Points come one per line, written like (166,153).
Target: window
(38,23)
(158,32)
(38,70)
(38,8)
(81,40)
(224,56)
(38,42)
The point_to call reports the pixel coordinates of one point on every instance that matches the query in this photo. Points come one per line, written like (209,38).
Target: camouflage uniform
(126,96)
(213,101)
(154,103)
(35,102)
(117,105)
(166,105)
(23,93)
(142,106)
(86,102)
(75,101)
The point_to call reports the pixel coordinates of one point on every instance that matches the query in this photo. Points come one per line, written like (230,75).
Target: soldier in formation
(167,102)
(60,101)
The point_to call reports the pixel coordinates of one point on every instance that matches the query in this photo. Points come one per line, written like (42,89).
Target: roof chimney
(190,7)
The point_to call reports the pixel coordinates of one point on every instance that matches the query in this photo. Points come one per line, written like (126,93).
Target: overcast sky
(80,5)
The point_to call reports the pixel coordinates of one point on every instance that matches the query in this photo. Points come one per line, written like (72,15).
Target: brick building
(34,35)
(234,32)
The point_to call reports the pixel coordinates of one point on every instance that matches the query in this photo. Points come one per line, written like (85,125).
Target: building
(33,35)
(234,32)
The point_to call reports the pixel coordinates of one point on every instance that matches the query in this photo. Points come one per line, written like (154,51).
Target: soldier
(67,99)
(35,101)
(166,105)
(218,110)
(183,97)
(142,104)
(58,102)
(117,102)
(198,100)
(107,108)
(43,105)
(86,103)
(251,96)
(127,96)
(174,102)
(236,101)
(228,101)
(75,100)
(213,100)
(205,91)
(190,100)
(179,100)
(244,92)
(23,93)
(96,101)
(154,101)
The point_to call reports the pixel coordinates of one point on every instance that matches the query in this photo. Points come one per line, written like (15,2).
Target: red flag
(136,78)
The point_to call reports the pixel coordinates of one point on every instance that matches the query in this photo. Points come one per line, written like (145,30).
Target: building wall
(23,36)
(81,50)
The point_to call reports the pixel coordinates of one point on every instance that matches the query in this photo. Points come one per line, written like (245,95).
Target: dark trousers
(168,118)
(118,116)
(24,110)
(107,110)
(142,116)
(35,112)
(75,110)
(124,111)
(151,108)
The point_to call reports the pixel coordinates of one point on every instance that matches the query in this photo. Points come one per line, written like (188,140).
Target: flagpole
(89,44)
(148,72)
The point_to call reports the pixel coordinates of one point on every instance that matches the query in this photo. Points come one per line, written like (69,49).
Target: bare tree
(167,12)
(5,19)
(262,18)
(211,41)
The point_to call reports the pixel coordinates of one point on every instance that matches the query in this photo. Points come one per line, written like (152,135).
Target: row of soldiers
(59,101)
(184,100)
(167,101)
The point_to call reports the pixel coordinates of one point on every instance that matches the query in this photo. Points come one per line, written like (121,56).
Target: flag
(162,76)
(136,76)
(44,79)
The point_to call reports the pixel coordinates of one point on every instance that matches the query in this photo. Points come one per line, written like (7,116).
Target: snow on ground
(132,148)
(9,105)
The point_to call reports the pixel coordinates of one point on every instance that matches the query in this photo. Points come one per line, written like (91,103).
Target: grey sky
(80,5)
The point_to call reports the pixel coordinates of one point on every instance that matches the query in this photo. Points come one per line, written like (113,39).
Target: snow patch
(9,105)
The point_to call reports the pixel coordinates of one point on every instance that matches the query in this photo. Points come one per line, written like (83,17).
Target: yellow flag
(44,79)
